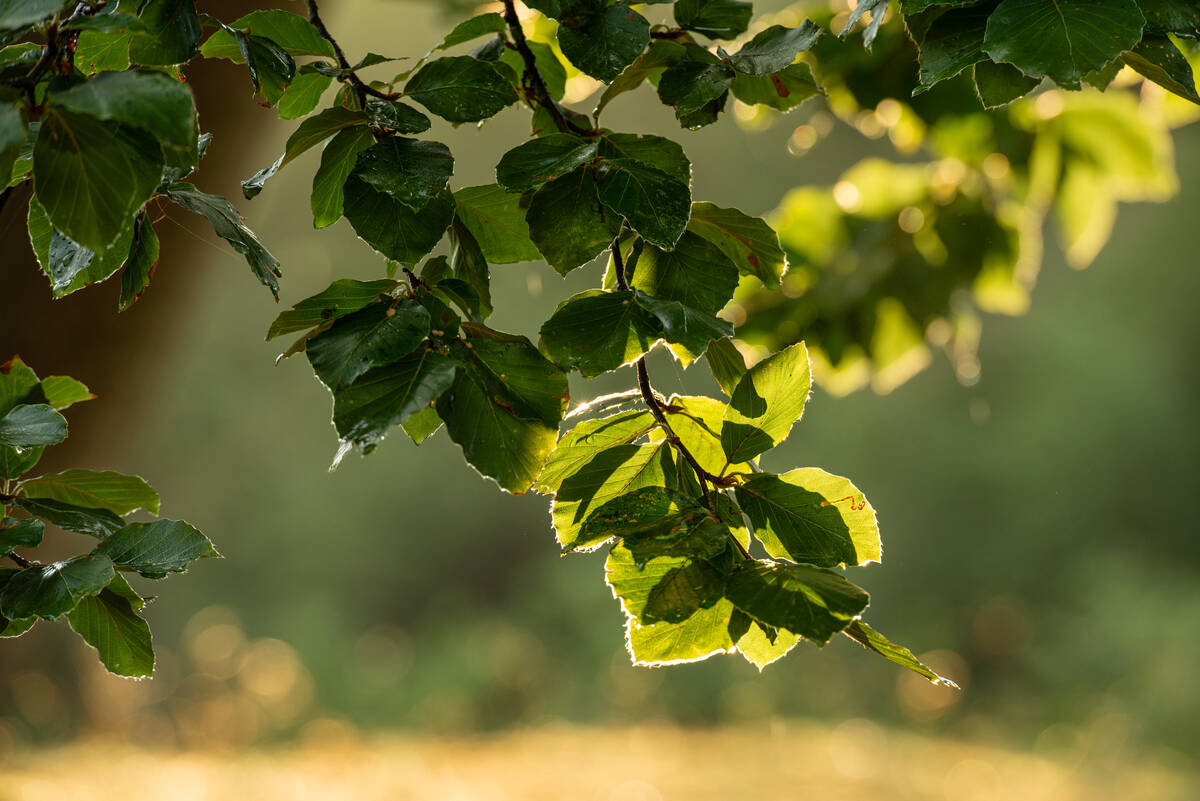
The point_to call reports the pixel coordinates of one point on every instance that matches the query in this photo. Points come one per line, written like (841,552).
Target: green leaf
(69,265)
(532,164)
(653,522)
(749,242)
(302,95)
(13,133)
(808,515)
(682,592)
(471,268)
(553,73)
(690,85)
(409,170)
(953,42)
(91,179)
(656,205)
(473,28)
(139,268)
(782,91)
(697,421)
(310,133)
(18,14)
(504,406)
(118,493)
(17,381)
(567,222)
(337,300)
(684,326)
(98,523)
(877,9)
(30,424)
(15,462)
(601,41)
(597,331)
(760,649)
(696,273)
(62,391)
(385,396)
(271,68)
(228,225)
(1171,16)
(151,101)
(497,221)
(1062,39)
(379,334)
(121,637)
(422,425)
(1000,84)
(393,228)
(396,116)
(295,34)
(461,89)
(337,162)
(716,19)
(587,440)
(766,403)
(172,33)
(20,534)
(50,591)
(774,48)
(872,640)
(809,601)
(1157,58)
(661,54)
(96,52)
(158,548)
(656,151)
(704,634)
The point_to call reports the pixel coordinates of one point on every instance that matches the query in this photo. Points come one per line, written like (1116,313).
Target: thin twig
(20,560)
(534,77)
(360,86)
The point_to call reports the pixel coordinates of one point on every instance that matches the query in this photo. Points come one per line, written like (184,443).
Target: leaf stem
(20,560)
(360,87)
(650,398)
(533,76)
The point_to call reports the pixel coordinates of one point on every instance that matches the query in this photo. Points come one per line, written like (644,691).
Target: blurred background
(399,628)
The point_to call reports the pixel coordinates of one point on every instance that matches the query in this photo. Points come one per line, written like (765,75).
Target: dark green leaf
(91,179)
(228,225)
(1062,39)
(716,19)
(810,516)
(809,601)
(271,68)
(409,170)
(497,221)
(396,116)
(504,406)
(152,101)
(337,300)
(567,222)
(158,548)
(1171,16)
(682,592)
(379,334)
(50,591)
(98,523)
(690,85)
(684,326)
(532,164)
(30,424)
(766,403)
(15,462)
(774,48)
(385,396)
(656,151)
(17,381)
(337,162)
(172,33)
(393,228)
(69,265)
(597,331)
(656,205)
(469,265)
(602,40)
(1000,84)
(118,493)
(661,54)
(13,134)
(293,33)
(20,534)
(138,269)
(1159,59)
(696,273)
(461,89)
(18,14)
(109,623)
(952,42)
(473,28)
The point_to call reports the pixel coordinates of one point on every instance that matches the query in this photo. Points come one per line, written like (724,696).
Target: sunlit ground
(784,760)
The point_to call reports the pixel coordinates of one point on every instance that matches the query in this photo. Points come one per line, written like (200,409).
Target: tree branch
(537,84)
(360,87)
